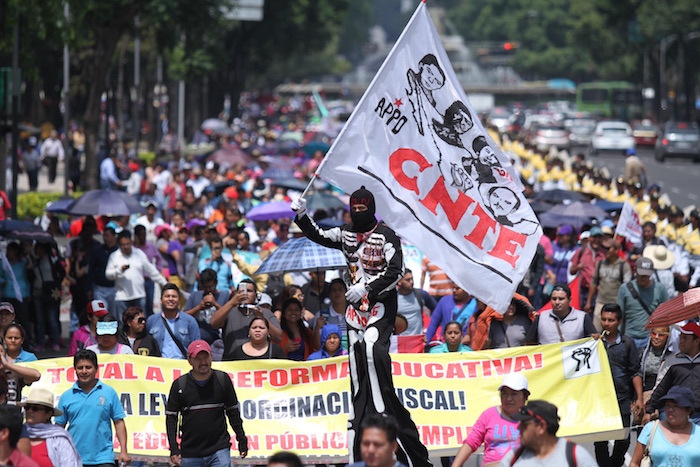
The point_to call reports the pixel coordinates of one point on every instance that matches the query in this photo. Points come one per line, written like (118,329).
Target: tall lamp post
(665,43)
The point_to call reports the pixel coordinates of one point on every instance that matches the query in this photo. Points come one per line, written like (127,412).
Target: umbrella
(578,209)
(290,184)
(313,146)
(271,211)
(231,156)
(295,136)
(9,225)
(39,237)
(548,219)
(321,200)
(213,124)
(301,254)
(277,173)
(558,196)
(59,206)
(609,206)
(539,206)
(684,306)
(105,203)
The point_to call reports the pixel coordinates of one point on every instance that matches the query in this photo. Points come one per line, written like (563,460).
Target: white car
(612,136)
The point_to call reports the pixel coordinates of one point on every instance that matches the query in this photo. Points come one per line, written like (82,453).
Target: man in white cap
(638,299)
(205,398)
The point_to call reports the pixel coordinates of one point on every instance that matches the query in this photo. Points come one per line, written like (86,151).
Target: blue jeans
(640,344)
(221,458)
(45,314)
(120,306)
(106,294)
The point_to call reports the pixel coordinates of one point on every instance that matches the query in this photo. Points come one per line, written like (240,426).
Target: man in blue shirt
(182,329)
(88,408)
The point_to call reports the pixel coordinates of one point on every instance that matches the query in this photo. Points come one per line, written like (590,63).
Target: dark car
(678,139)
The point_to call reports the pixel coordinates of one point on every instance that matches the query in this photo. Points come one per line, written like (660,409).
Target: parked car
(612,136)
(581,131)
(527,132)
(549,135)
(645,133)
(678,139)
(500,118)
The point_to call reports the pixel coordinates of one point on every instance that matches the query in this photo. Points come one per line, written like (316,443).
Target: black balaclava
(363,221)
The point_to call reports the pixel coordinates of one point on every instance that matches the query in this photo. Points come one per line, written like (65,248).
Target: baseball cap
(645,267)
(596,231)
(106,328)
(565,229)
(7,306)
(198,346)
(97,308)
(265,299)
(607,230)
(607,223)
(514,381)
(681,395)
(541,410)
(584,235)
(691,328)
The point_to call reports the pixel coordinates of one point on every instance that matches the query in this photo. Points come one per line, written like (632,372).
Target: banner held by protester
(304,406)
(440,181)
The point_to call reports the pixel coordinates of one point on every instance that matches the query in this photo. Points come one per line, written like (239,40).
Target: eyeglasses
(35,408)
(658,334)
(141,320)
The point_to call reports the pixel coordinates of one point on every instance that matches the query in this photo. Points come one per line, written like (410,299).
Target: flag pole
(364,96)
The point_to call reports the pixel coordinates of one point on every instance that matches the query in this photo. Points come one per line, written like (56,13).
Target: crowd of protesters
(184,271)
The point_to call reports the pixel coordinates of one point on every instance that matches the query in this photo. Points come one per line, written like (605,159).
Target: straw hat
(660,255)
(41,396)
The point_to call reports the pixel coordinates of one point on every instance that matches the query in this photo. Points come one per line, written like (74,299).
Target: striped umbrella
(684,306)
(301,254)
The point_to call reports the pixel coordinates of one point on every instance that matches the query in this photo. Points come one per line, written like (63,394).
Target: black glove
(242,445)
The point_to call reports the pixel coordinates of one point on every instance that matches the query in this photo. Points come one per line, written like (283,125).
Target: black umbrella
(60,206)
(10,225)
(558,196)
(105,203)
(321,200)
(39,237)
(290,183)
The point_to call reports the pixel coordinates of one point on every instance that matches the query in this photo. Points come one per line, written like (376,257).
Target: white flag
(438,179)
(628,224)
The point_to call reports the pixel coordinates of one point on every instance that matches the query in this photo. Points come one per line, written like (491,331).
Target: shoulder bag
(175,339)
(646,460)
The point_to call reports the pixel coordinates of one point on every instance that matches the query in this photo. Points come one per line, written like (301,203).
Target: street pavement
(43,186)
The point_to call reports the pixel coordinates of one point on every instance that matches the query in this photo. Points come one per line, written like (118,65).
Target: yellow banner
(303,406)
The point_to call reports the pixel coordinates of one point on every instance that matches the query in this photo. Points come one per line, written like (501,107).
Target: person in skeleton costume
(375,262)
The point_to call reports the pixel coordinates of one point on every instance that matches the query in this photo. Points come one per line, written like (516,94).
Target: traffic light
(510,46)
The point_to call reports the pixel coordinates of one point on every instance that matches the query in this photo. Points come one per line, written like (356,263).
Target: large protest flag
(439,180)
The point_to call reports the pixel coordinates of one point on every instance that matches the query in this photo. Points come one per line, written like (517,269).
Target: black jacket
(144,345)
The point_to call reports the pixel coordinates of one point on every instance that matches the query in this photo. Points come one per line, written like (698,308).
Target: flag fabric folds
(628,224)
(439,180)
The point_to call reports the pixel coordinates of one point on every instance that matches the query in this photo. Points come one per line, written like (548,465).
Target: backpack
(570,454)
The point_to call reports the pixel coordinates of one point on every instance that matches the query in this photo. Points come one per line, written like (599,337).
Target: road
(678,177)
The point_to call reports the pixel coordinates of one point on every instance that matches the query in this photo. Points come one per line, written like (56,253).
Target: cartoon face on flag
(439,179)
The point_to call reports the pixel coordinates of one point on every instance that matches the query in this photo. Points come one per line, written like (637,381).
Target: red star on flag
(398,103)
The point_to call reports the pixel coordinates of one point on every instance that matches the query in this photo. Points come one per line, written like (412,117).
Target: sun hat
(41,396)
(681,395)
(661,256)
